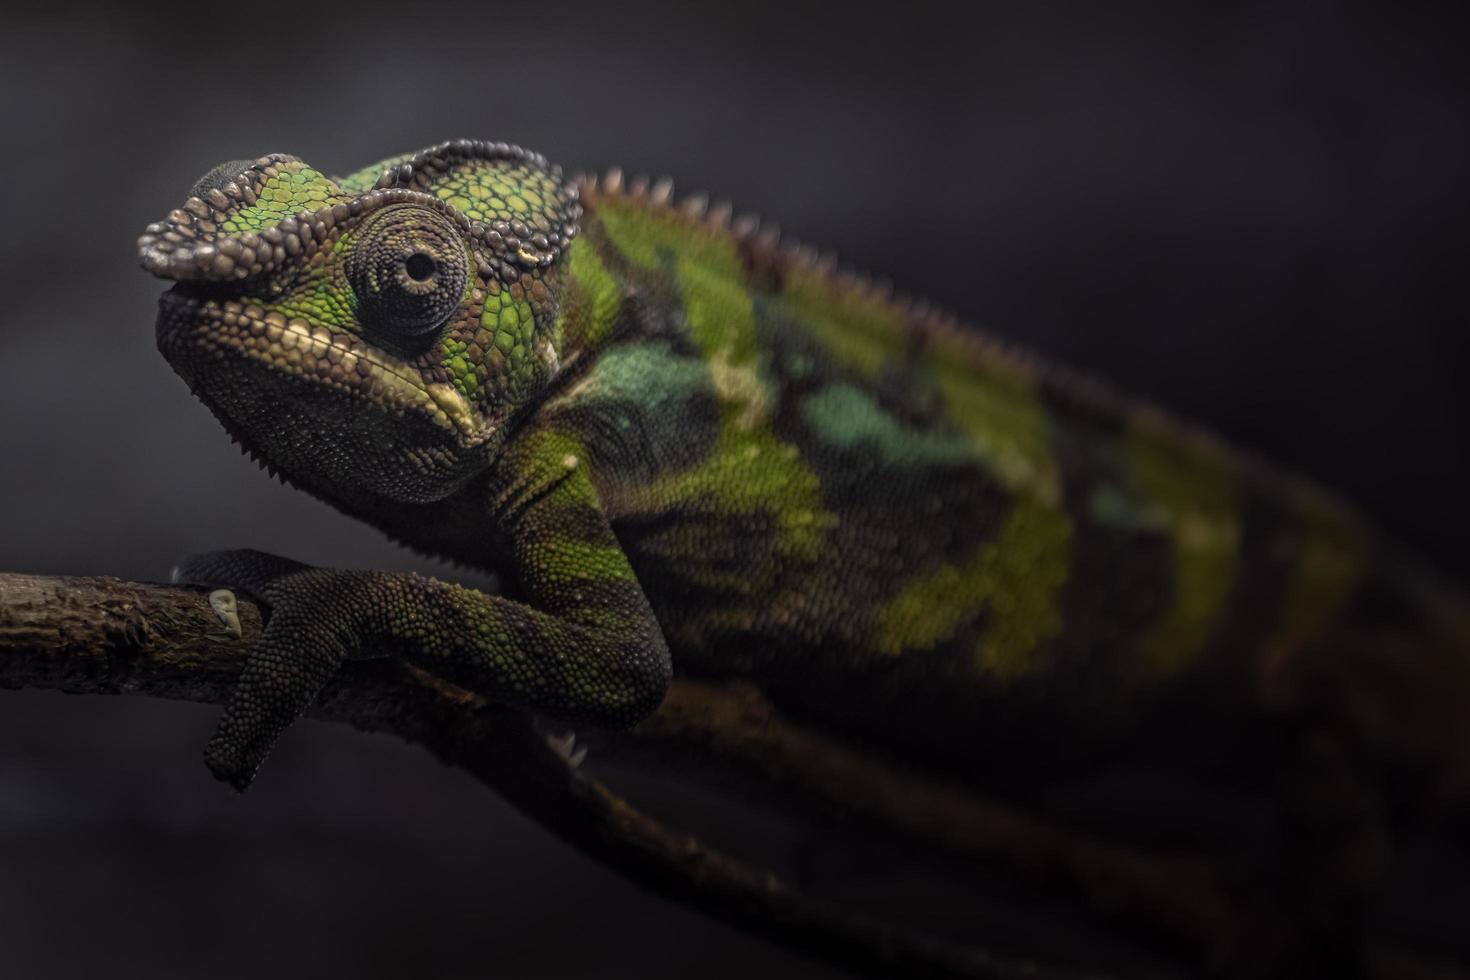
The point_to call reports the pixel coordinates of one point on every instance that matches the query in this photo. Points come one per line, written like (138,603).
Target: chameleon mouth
(197,318)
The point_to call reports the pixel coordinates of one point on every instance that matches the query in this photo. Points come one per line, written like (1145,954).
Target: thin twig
(107,636)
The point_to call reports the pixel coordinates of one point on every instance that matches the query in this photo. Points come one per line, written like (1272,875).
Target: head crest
(511,205)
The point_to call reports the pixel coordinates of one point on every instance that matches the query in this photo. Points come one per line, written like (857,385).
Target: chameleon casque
(687,449)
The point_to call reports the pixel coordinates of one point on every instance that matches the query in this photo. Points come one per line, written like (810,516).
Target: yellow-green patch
(498,190)
(1331,559)
(1014,580)
(294,189)
(511,325)
(543,458)
(717,307)
(1196,491)
(1006,420)
(325,299)
(708,269)
(590,308)
(719,310)
(750,474)
(568,559)
(861,333)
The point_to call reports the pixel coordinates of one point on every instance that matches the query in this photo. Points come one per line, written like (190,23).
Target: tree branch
(106,636)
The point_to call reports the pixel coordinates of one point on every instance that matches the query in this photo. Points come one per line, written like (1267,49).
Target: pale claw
(222,601)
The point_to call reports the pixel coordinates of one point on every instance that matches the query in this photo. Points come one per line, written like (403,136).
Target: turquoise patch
(847,418)
(648,375)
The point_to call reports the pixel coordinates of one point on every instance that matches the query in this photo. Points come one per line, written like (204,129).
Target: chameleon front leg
(584,647)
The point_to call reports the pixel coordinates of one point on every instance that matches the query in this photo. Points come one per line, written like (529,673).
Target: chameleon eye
(407,268)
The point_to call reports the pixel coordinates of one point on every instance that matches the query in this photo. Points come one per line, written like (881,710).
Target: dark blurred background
(1251,214)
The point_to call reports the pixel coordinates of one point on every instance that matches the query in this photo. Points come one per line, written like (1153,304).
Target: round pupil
(419,267)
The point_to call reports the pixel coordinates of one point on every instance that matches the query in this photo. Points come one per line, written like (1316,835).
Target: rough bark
(107,636)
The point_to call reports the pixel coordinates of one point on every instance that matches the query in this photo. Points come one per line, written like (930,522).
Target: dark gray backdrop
(1247,213)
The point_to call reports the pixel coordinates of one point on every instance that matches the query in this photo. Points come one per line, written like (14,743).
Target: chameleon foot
(313,626)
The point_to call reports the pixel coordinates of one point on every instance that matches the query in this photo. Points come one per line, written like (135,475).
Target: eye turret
(407,268)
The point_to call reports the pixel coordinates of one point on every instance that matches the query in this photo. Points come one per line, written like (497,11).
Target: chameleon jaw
(316,404)
(313,352)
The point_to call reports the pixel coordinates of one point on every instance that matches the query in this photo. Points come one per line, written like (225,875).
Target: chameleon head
(374,334)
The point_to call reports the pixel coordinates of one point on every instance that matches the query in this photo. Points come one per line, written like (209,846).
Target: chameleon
(687,448)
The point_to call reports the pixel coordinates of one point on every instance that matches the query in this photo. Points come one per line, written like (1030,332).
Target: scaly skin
(684,448)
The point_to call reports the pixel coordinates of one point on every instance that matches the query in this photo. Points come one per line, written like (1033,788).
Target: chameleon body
(684,447)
